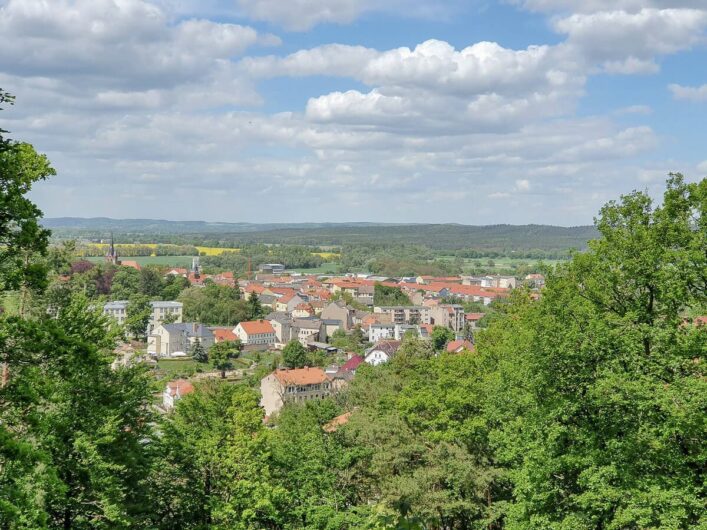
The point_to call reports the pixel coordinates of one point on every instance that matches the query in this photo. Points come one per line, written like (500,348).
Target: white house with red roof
(175,391)
(255,332)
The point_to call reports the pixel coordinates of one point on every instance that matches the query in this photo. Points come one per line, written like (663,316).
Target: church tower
(112,255)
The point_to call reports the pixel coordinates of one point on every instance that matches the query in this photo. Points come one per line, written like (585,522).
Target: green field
(164,261)
(325,268)
(499,264)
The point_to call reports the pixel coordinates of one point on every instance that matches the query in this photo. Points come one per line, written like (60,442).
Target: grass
(325,268)
(499,263)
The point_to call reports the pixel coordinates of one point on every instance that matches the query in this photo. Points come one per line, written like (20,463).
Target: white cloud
(627,42)
(689,93)
(523,185)
(302,15)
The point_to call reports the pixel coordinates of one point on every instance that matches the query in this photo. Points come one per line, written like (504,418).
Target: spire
(112,255)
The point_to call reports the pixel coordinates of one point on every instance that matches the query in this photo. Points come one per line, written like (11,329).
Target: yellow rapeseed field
(215,251)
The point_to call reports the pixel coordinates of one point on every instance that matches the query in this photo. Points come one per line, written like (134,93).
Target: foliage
(254,309)
(215,470)
(137,316)
(216,305)
(441,336)
(294,355)
(384,295)
(198,352)
(222,354)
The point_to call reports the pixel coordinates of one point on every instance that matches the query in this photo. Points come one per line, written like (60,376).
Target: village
(317,314)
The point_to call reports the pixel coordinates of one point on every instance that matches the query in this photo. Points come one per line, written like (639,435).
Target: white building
(177,340)
(160,312)
(175,391)
(256,332)
(378,332)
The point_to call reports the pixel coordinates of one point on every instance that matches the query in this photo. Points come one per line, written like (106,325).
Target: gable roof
(182,386)
(257,327)
(387,346)
(352,363)
(458,345)
(301,376)
(221,334)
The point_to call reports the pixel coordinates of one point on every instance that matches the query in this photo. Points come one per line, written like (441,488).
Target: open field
(163,261)
(325,268)
(499,263)
(215,251)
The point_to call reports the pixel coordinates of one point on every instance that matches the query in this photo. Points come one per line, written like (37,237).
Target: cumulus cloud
(627,42)
(137,100)
(689,93)
(302,15)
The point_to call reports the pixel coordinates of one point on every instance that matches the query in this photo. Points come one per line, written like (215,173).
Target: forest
(584,408)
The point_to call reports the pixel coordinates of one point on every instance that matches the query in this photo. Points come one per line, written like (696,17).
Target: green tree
(217,305)
(384,295)
(125,284)
(255,309)
(198,352)
(222,354)
(294,355)
(441,336)
(151,283)
(137,317)
(606,428)
(215,472)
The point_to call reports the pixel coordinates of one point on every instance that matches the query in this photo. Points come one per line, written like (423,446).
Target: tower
(195,267)
(112,254)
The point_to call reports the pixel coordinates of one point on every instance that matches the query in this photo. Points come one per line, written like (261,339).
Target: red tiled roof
(458,345)
(473,317)
(337,422)
(221,334)
(131,263)
(257,327)
(352,363)
(184,387)
(301,376)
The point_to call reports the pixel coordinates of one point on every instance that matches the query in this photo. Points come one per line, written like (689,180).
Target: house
(161,311)
(405,314)
(178,339)
(175,391)
(535,281)
(177,271)
(294,386)
(351,365)
(457,346)
(287,302)
(382,352)
(131,263)
(303,310)
(223,334)
(378,332)
(448,315)
(306,330)
(271,268)
(338,310)
(258,333)
(473,319)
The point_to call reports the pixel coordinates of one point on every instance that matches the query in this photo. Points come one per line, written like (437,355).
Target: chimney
(193,327)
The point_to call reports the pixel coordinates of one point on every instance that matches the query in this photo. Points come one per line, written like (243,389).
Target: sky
(458,111)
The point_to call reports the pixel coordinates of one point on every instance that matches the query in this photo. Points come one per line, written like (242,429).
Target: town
(333,323)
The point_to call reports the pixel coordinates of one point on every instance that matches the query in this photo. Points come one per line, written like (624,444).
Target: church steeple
(112,255)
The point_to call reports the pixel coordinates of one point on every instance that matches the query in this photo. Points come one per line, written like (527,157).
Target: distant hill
(505,238)
(96,225)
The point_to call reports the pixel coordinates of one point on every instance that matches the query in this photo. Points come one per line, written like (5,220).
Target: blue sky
(476,112)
